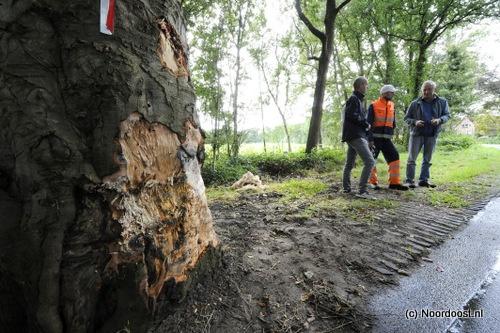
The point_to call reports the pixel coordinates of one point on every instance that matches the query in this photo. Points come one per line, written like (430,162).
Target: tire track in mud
(419,229)
(275,258)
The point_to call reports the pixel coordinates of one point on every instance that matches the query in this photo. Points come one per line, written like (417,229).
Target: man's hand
(369,126)
(419,123)
(435,121)
(371,144)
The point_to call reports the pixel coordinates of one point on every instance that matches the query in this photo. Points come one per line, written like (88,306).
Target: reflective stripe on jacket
(382,118)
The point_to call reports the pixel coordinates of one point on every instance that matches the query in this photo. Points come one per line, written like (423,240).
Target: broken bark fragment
(248,181)
(170,49)
(160,203)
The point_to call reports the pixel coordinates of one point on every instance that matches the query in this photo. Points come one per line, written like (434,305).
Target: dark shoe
(398,187)
(346,191)
(374,187)
(365,195)
(424,183)
(411,185)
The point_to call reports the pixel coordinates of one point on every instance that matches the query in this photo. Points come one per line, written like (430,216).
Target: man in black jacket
(354,133)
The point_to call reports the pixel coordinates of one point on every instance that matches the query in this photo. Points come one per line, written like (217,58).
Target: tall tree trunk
(313,136)
(239,42)
(419,70)
(361,62)
(218,107)
(287,101)
(263,129)
(326,38)
(236,140)
(102,202)
(274,97)
(341,74)
(389,58)
(215,143)
(261,103)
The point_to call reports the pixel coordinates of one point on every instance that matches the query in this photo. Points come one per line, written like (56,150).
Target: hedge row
(226,170)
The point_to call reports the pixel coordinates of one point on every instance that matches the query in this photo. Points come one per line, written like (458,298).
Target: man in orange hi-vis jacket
(382,118)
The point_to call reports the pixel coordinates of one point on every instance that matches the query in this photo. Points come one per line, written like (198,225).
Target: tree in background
(380,39)
(209,42)
(326,38)
(277,76)
(456,73)
(489,88)
(487,124)
(423,23)
(239,14)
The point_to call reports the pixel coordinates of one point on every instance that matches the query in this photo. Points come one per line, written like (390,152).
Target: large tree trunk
(313,136)
(103,207)
(326,38)
(390,59)
(419,70)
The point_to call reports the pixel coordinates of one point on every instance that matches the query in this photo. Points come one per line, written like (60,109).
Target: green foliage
(490,139)
(489,86)
(456,173)
(463,165)
(384,40)
(488,125)
(296,163)
(221,194)
(452,197)
(449,142)
(192,9)
(280,164)
(226,171)
(457,72)
(294,189)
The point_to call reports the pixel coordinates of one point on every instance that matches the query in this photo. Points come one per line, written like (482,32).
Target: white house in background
(465,126)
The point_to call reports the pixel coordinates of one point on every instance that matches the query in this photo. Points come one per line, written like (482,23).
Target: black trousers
(387,148)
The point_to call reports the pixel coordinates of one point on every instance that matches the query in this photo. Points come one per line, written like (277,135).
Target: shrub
(489,139)
(278,164)
(455,142)
(327,159)
(273,164)
(225,171)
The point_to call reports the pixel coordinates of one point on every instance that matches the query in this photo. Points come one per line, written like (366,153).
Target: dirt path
(285,271)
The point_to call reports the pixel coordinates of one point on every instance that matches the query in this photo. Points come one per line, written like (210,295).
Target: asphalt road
(460,270)
(489,301)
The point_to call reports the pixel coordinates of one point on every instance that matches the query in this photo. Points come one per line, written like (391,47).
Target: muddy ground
(309,264)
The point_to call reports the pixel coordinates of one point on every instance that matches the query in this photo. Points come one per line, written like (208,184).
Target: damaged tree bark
(103,207)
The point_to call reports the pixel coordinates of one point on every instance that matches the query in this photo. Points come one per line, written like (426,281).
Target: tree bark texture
(102,203)
(313,136)
(419,70)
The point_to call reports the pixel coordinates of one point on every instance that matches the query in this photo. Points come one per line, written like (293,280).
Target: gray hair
(429,83)
(359,81)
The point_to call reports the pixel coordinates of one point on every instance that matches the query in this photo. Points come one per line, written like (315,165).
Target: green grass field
(459,174)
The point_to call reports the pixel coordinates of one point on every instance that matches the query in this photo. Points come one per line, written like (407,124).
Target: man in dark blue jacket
(354,133)
(424,116)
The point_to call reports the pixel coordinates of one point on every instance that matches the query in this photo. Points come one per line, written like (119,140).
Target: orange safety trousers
(391,156)
(394,177)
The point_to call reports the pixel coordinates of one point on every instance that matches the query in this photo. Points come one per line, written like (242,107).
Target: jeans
(414,147)
(358,146)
